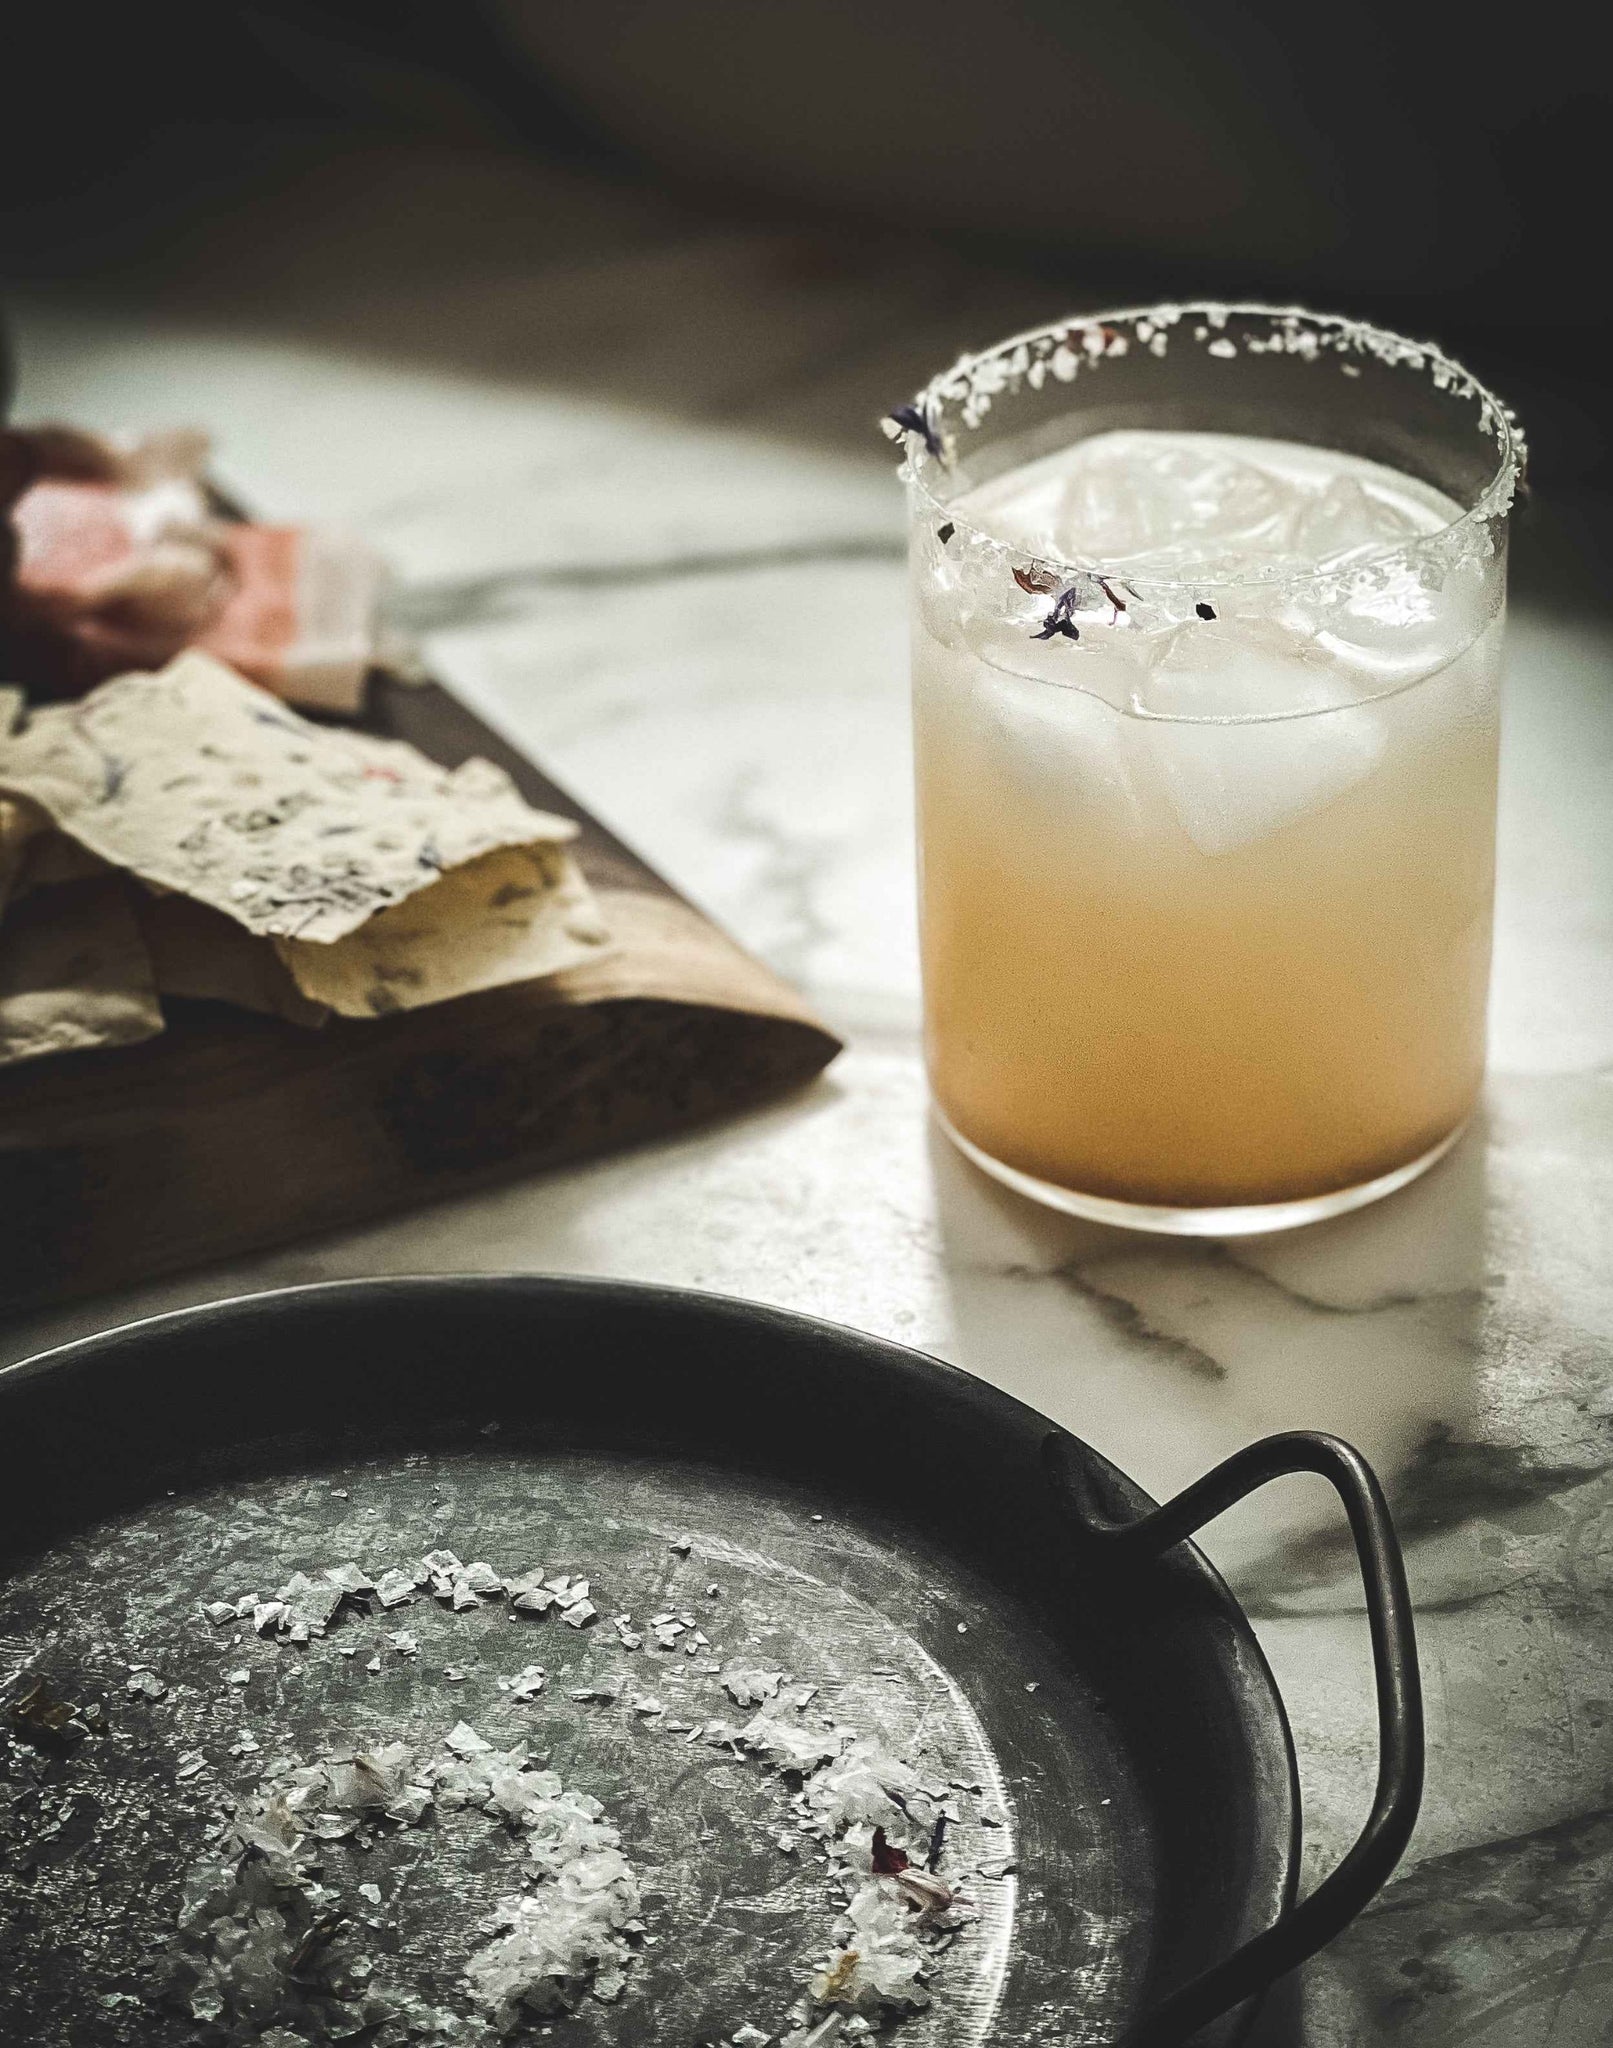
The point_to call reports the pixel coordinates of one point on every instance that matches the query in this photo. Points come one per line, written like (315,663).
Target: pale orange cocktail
(1207,832)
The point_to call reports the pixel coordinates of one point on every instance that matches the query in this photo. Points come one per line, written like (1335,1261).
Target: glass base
(1241,1220)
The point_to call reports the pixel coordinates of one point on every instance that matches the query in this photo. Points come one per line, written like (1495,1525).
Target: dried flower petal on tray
(198,781)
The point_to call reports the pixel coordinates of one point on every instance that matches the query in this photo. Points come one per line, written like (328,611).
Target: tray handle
(1311,1924)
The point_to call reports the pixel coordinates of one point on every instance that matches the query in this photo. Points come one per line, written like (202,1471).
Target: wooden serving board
(233,1131)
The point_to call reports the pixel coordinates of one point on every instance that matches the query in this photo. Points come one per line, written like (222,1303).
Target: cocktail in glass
(1207,614)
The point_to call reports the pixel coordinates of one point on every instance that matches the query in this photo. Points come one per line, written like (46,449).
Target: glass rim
(970,383)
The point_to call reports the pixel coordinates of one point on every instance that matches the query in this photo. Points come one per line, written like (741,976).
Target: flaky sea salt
(310,1603)
(749,1688)
(570,1929)
(463,1740)
(880,1968)
(570,1934)
(789,1746)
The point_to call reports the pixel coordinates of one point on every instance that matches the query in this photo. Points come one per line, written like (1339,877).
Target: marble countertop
(622,462)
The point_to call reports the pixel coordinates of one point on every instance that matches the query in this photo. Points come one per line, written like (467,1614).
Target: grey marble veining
(653,564)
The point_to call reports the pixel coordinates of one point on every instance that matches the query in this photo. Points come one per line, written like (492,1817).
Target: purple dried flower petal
(1058,619)
(913,420)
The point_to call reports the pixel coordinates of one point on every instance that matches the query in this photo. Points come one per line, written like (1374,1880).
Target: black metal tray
(925,1549)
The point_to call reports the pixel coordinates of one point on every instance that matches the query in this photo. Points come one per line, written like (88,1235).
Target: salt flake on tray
(528,1594)
(789,1746)
(310,1603)
(394,1587)
(463,1740)
(749,1688)
(351,1579)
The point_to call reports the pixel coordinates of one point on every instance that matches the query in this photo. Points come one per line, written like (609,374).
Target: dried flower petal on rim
(1058,619)
(912,419)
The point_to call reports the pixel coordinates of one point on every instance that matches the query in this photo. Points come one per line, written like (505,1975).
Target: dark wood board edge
(313,1154)
(109,1176)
